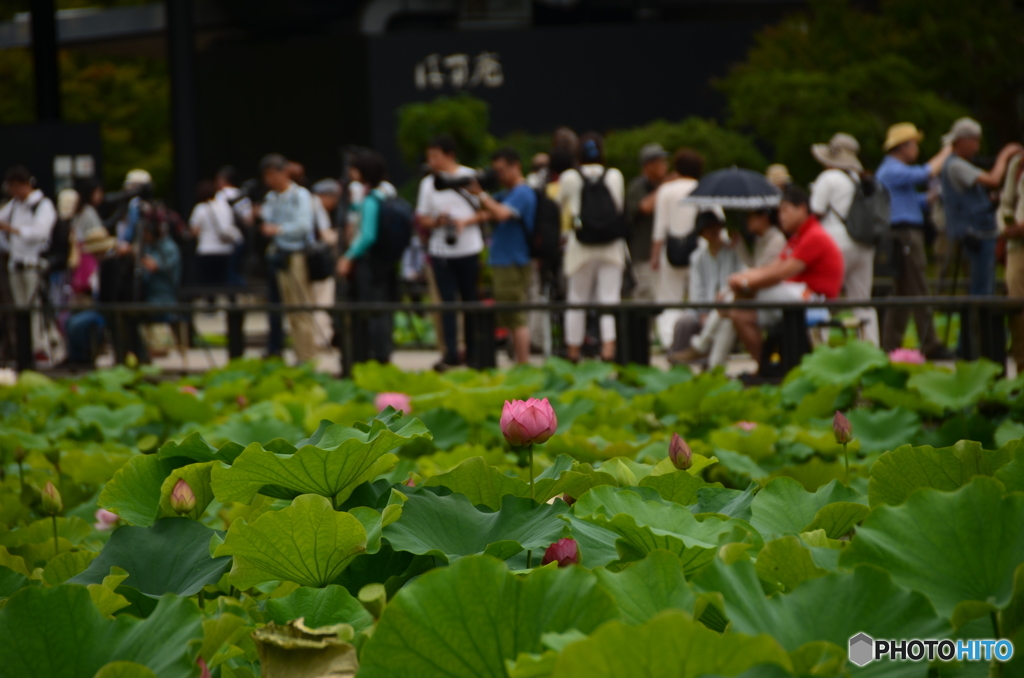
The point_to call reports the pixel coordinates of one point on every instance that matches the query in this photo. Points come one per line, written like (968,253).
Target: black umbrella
(737,189)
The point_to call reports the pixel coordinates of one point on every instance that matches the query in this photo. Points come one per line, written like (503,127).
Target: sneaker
(687,355)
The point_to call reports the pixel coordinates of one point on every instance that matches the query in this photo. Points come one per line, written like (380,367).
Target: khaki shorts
(511,284)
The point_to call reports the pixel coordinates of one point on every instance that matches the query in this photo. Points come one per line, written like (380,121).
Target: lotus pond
(265,520)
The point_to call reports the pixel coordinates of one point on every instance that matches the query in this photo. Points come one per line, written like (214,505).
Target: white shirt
(34,226)
(433,203)
(570,194)
(834,189)
(709,273)
(241,206)
(216,223)
(672,216)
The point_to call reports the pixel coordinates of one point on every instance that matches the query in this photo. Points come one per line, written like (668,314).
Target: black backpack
(601,221)
(394,229)
(545,241)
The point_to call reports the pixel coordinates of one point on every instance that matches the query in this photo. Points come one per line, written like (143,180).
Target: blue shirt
(902,180)
(508,244)
(292,210)
(369,222)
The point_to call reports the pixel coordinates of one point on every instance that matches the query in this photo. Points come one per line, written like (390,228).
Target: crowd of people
(570,228)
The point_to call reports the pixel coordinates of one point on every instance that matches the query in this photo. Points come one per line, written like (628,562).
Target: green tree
(720,147)
(834,69)
(464,117)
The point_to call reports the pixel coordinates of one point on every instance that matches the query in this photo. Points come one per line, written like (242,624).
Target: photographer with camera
(442,204)
(514,210)
(27,222)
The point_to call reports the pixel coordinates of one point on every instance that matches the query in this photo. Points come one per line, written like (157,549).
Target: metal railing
(986,317)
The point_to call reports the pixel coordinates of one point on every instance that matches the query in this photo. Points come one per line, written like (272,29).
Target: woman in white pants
(594,272)
(675,218)
(832,195)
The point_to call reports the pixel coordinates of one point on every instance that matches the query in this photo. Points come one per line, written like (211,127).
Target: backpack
(394,229)
(545,241)
(868,220)
(600,219)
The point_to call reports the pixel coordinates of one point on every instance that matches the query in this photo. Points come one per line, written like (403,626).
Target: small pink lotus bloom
(746,425)
(105,520)
(679,452)
(528,422)
(564,552)
(188,389)
(842,428)
(205,669)
(909,356)
(183,499)
(410,483)
(399,401)
(241,401)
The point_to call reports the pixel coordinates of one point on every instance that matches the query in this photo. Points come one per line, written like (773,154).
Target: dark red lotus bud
(564,552)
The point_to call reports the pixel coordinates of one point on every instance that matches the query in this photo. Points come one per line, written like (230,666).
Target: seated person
(810,268)
(715,259)
(85,328)
(768,239)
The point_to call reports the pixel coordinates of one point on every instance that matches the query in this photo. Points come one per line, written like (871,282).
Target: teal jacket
(161,286)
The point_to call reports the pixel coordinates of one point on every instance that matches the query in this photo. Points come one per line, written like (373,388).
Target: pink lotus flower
(241,401)
(909,356)
(189,390)
(399,401)
(842,427)
(526,422)
(105,520)
(183,499)
(679,452)
(564,552)
(410,483)
(746,425)
(205,670)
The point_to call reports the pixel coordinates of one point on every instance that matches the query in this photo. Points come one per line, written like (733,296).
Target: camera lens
(451,236)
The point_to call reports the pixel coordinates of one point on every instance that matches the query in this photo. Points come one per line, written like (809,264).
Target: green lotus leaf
(70,528)
(596,544)
(646,587)
(66,565)
(134,491)
(648,525)
(59,633)
(105,596)
(883,430)
(193,447)
(485,485)
(1012,475)
(956,390)
(725,501)
(785,507)
(125,670)
(832,608)
(178,407)
(451,527)
(308,543)
(10,581)
(900,398)
(786,562)
(346,458)
(679,487)
(467,620)
(899,473)
(757,444)
(172,556)
(225,629)
(955,547)
(671,645)
(110,423)
(320,607)
(843,365)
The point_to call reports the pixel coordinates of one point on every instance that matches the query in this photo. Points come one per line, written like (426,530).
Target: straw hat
(778,174)
(901,133)
(840,153)
(98,240)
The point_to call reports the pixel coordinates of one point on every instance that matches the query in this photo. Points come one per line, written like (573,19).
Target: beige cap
(963,128)
(840,152)
(901,133)
(137,177)
(778,174)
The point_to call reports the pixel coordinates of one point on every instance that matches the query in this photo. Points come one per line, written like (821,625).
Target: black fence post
(235,320)
(992,335)
(347,343)
(25,352)
(794,337)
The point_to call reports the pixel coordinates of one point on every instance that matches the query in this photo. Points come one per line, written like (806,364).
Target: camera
(487,179)
(451,234)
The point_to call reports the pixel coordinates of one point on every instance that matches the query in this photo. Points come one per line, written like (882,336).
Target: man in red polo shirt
(810,268)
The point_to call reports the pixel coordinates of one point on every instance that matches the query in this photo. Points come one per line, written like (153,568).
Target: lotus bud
(564,552)
(842,428)
(19,455)
(188,389)
(105,520)
(242,401)
(52,503)
(203,668)
(131,361)
(183,500)
(399,401)
(679,452)
(411,482)
(528,422)
(568,499)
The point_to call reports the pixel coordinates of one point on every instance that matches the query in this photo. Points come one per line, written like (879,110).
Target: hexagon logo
(862,649)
